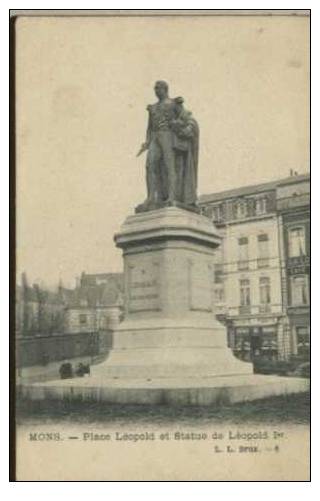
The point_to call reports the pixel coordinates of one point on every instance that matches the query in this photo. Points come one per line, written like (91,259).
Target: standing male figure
(160,167)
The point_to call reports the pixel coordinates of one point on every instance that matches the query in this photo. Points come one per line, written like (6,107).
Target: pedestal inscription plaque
(143,287)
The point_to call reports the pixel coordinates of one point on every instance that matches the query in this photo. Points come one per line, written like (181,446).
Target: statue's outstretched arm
(145,145)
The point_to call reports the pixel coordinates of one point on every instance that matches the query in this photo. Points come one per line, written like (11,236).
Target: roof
(92,294)
(66,294)
(89,293)
(294,179)
(252,189)
(95,278)
(52,297)
(37,294)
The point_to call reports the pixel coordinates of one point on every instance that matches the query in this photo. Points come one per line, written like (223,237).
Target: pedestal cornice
(170,223)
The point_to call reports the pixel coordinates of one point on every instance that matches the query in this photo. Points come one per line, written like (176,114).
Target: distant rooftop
(254,188)
(94,290)
(98,289)
(93,279)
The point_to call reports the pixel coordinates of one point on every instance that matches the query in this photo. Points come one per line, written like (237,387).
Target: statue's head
(161,89)
(178,104)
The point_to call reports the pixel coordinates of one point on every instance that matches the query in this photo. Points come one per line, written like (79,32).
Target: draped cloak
(186,145)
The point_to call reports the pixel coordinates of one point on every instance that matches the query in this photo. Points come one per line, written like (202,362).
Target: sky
(82,87)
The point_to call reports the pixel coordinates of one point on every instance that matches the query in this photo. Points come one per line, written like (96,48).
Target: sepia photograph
(161,264)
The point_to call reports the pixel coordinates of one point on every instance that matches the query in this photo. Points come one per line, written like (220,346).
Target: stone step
(167,391)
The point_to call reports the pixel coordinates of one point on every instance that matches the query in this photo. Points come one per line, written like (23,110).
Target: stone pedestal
(170,329)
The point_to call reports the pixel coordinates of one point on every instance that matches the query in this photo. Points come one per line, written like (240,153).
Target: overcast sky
(83,85)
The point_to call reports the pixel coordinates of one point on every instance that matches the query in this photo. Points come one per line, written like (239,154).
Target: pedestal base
(170,350)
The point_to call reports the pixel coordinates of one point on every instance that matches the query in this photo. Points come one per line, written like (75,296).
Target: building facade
(253,271)
(293,207)
(95,304)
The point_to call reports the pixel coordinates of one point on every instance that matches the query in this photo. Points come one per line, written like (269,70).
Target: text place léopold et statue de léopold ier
(172,144)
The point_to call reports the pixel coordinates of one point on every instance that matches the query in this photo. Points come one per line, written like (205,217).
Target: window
(244,292)
(263,250)
(82,319)
(261,205)
(78,348)
(263,241)
(243,253)
(241,209)
(300,290)
(219,295)
(242,344)
(269,344)
(297,244)
(103,322)
(303,340)
(218,273)
(216,213)
(265,296)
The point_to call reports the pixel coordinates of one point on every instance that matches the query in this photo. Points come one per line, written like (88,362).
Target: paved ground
(291,409)
(159,383)
(196,391)
(49,372)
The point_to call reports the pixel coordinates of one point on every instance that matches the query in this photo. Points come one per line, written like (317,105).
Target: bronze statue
(172,142)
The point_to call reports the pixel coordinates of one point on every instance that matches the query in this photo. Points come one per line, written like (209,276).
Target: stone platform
(215,391)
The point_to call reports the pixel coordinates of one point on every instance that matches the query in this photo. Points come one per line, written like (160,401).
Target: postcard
(162,259)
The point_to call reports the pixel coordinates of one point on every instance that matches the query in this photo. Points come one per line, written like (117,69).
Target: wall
(97,319)
(42,350)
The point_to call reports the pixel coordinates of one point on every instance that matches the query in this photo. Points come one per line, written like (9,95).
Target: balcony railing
(298,260)
(264,308)
(245,309)
(263,262)
(243,265)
